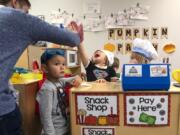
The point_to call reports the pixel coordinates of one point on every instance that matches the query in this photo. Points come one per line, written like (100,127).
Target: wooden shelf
(60,47)
(35,52)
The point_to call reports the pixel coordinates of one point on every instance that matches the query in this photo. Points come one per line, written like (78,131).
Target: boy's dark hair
(22,2)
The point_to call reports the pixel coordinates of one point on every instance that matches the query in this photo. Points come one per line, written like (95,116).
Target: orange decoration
(169,48)
(110,47)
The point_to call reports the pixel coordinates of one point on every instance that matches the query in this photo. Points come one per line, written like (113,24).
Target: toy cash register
(145,77)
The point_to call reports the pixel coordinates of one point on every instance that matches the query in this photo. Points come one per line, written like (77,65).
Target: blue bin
(136,77)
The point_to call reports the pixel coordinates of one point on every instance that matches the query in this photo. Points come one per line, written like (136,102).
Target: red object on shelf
(112,118)
(35,65)
(91,120)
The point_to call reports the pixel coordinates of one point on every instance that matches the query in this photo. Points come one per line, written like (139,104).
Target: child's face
(99,57)
(55,67)
(133,61)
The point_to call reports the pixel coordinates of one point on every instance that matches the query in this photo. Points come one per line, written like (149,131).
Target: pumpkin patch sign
(97,109)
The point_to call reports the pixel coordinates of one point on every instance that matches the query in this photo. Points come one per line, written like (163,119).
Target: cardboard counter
(27,101)
(104,109)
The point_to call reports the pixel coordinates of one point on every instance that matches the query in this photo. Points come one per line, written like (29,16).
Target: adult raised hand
(78,29)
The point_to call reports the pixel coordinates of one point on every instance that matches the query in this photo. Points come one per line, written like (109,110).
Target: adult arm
(39,30)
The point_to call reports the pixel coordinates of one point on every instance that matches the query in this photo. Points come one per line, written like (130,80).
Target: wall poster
(147,109)
(97,109)
(92,6)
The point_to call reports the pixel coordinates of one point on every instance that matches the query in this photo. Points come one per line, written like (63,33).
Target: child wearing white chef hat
(142,52)
(99,67)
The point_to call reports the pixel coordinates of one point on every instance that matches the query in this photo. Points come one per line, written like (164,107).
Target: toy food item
(81,115)
(112,118)
(91,120)
(102,120)
(163,71)
(176,75)
(169,48)
(133,70)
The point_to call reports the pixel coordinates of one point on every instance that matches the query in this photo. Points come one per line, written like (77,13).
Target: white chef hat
(145,48)
(110,56)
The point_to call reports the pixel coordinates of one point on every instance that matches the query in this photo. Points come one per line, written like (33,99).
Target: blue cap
(49,53)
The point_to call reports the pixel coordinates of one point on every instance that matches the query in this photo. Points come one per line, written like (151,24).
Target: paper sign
(154,33)
(164,33)
(145,33)
(158,71)
(97,131)
(92,6)
(147,109)
(97,109)
(128,33)
(111,34)
(128,47)
(120,48)
(133,70)
(155,45)
(136,33)
(120,33)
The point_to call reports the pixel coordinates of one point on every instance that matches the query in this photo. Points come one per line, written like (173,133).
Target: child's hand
(114,79)
(77,81)
(101,81)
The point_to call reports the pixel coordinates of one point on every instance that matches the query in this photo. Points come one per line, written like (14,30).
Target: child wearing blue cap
(52,98)
(142,52)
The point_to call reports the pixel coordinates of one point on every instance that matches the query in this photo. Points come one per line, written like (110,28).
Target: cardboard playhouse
(145,77)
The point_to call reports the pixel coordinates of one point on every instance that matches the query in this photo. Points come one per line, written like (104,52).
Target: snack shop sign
(147,110)
(97,109)
(97,131)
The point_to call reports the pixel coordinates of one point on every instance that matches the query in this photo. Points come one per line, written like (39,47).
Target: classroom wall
(163,13)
